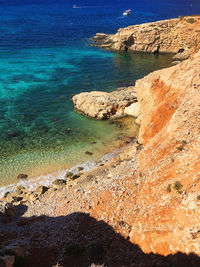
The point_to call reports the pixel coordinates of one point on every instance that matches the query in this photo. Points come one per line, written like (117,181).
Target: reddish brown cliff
(169,165)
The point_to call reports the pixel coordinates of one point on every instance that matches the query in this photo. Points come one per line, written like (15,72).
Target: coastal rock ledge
(104,105)
(179,35)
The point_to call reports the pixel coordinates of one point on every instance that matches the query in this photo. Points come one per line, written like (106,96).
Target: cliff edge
(179,35)
(168,167)
(160,203)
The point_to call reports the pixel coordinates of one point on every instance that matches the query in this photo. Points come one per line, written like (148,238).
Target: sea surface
(45,58)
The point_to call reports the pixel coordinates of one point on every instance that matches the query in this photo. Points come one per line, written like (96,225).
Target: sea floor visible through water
(90,155)
(68,150)
(40,132)
(45,58)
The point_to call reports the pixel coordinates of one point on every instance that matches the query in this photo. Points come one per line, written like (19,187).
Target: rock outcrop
(181,35)
(163,213)
(168,173)
(103,105)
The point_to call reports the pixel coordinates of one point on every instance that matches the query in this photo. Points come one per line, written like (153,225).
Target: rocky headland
(180,36)
(141,209)
(102,105)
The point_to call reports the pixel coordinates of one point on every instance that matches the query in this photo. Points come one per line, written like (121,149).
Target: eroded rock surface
(180,35)
(169,164)
(103,105)
(133,110)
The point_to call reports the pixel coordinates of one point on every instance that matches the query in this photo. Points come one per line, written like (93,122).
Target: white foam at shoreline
(46,180)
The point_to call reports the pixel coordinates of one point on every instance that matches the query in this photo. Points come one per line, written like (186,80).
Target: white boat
(74,6)
(127,12)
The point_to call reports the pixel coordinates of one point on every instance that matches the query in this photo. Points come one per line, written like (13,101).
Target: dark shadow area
(8,211)
(21,209)
(80,240)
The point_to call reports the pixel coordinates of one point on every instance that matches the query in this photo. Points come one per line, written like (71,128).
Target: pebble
(22,176)
(88,153)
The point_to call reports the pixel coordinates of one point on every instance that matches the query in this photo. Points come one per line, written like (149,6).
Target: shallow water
(39,131)
(45,58)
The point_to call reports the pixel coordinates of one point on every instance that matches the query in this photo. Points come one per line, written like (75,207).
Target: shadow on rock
(80,240)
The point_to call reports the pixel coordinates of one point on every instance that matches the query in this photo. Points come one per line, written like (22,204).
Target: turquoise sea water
(45,58)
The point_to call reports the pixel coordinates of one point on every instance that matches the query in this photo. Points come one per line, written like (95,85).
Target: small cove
(40,132)
(45,58)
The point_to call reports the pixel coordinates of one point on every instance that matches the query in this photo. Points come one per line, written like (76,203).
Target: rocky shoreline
(22,209)
(141,209)
(113,105)
(22,194)
(179,36)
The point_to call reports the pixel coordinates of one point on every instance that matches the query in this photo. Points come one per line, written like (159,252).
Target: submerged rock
(175,62)
(22,176)
(88,153)
(59,183)
(13,134)
(93,143)
(80,168)
(69,174)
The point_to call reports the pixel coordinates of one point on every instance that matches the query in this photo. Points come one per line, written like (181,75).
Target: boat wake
(75,6)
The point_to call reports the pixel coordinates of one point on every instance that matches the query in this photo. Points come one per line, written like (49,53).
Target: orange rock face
(169,164)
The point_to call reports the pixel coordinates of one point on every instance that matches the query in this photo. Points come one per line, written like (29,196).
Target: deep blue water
(45,57)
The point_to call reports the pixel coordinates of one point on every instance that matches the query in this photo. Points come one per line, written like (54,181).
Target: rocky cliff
(147,200)
(179,35)
(168,168)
